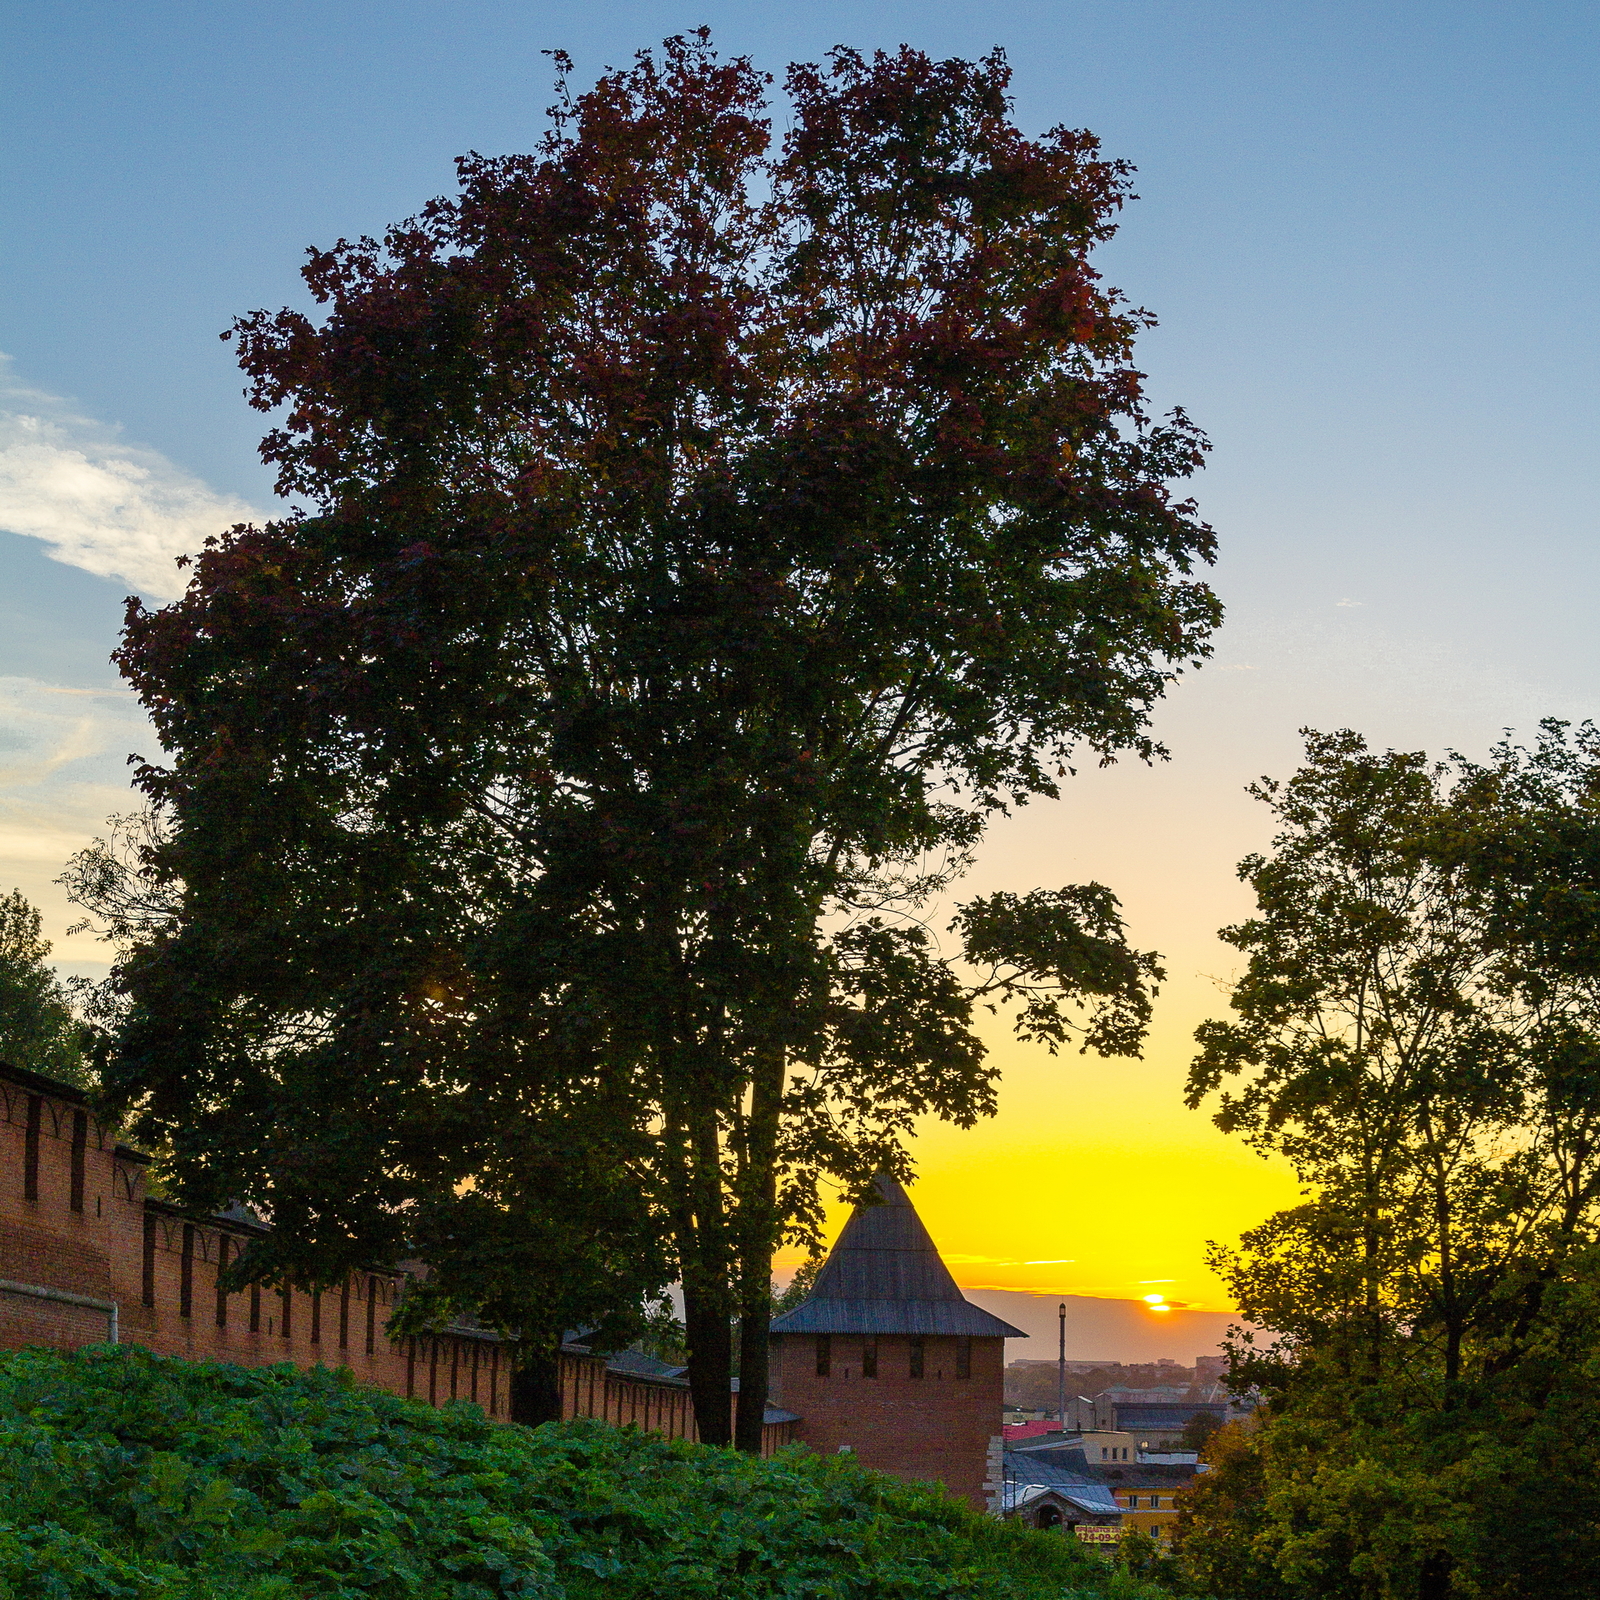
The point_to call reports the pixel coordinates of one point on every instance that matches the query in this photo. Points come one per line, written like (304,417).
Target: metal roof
(885,1275)
(1096,1502)
(1022,1473)
(1071,1456)
(54,1087)
(636,1364)
(1132,1417)
(1030,1464)
(894,1316)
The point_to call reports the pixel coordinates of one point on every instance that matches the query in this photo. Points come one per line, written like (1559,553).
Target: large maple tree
(705,534)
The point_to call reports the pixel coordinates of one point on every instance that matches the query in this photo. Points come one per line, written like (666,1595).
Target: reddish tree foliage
(705,536)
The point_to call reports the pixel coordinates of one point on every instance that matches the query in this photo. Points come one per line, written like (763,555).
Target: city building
(1154,1423)
(1102,1445)
(1046,1496)
(1145,1493)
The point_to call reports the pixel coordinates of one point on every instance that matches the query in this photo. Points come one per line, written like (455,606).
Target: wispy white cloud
(63,769)
(98,502)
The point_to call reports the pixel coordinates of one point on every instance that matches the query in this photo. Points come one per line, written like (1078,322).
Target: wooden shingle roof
(885,1275)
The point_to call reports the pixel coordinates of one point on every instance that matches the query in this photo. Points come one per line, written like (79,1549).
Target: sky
(1369,232)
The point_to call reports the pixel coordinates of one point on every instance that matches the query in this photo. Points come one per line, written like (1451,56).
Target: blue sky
(1369,231)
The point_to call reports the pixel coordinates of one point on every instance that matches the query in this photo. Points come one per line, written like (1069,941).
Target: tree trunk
(1371,1209)
(1445,1244)
(1433,1582)
(759,1227)
(536,1382)
(706,1300)
(710,1341)
(755,1342)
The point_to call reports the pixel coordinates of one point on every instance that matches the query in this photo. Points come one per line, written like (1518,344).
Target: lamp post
(1061,1368)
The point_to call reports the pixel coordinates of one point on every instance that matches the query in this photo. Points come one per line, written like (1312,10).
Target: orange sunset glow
(1094,1179)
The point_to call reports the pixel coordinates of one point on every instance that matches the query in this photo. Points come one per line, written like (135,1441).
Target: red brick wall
(162,1272)
(118,1246)
(935,1428)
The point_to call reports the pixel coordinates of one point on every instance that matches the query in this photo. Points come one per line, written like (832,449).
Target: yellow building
(1150,1506)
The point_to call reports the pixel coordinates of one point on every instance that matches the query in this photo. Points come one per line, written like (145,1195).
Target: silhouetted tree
(707,537)
(1418,1031)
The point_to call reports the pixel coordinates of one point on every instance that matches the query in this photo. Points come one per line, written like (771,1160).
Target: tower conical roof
(885,1275)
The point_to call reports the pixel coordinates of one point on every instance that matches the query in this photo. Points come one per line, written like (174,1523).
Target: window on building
(824,1355)
(963,1358)
(869,1356)
(918,1355)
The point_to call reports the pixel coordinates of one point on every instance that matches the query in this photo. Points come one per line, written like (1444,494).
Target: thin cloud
(63,768)
(97,502)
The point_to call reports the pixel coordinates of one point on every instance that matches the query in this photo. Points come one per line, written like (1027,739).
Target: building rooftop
(1030,1464)
(885,1275)
(1137,1418)
(1025,1476)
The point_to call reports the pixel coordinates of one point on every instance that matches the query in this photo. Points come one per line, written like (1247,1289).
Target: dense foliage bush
(125,1474)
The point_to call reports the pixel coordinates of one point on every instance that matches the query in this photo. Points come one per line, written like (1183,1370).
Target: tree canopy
(1417,1029)
(705,534)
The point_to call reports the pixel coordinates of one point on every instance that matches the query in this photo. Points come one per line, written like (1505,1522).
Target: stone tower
(889,1359)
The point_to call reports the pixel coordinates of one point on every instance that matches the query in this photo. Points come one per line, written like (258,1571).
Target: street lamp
(1061,1368)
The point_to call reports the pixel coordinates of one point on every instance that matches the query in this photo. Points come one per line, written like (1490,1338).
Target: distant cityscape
(1118,1454)
(1098,1387)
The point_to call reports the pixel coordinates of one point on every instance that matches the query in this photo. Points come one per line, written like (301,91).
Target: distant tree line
(40,1027)
(1033,1385)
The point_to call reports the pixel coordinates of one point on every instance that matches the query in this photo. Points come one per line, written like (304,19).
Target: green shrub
(127,1475)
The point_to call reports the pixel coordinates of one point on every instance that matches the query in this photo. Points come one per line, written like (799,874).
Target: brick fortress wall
(75,1217)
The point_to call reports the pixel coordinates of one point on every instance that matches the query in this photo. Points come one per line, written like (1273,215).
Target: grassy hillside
(125,1475)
